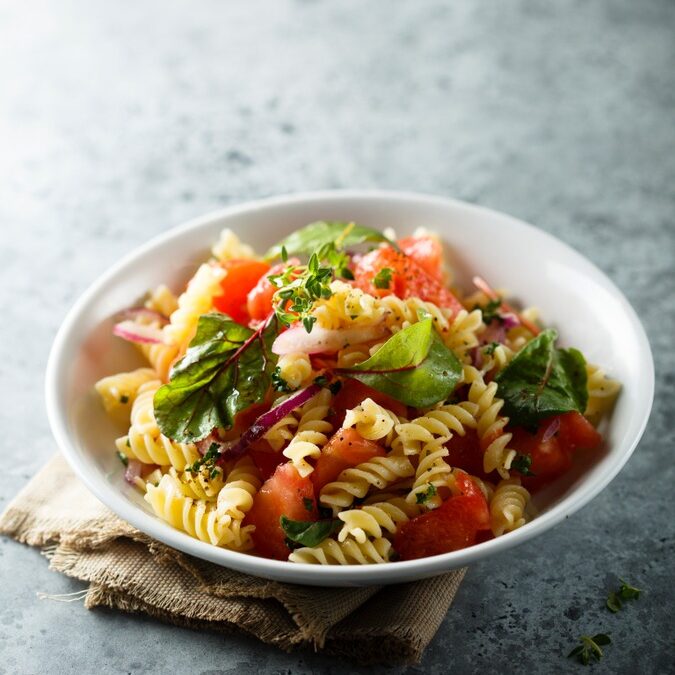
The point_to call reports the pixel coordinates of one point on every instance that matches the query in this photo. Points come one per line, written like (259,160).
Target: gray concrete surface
(118,120)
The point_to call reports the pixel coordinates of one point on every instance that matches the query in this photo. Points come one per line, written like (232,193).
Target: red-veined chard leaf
(226,369)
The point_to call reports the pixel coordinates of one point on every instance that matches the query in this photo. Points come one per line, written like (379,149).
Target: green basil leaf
(226,369)
(542,381)
(413,366)
(308,532)
(315,235)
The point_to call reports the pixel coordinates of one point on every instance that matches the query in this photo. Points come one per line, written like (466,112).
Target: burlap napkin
(127,570)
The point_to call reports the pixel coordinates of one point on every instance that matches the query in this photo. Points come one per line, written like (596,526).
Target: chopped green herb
(335,387)
(322,380)
(123,458)
(383,278)
(208,461)
(628,592)
(124,399)
(590,648)
(278,382)
(625,592)
(522,464)
(423,497)
(491,310)
(613,602)
(284,254)
(127,443)
(489,350)
(308,504)
(300,286)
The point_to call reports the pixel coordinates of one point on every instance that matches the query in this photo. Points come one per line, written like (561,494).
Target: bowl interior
(571,294)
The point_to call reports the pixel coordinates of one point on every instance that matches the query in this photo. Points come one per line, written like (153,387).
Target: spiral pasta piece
(461,336)
(346,307)
(495,358)
(371,519)
(230,247)
(439,422)
(490,424)
(283,431)
(371,420)
(432,472)
(507,506)
(204,483)
(354,483)
(196,517)
(119,391)
(602,393)
(312,433)
(195,301)
(295,370)
(145,442)
(162,300)
(235,499)
(349,552)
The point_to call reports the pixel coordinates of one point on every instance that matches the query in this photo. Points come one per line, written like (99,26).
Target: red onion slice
(551,430)
(229,449)
(324,340)
(144,313)
(138,332)
(133,471)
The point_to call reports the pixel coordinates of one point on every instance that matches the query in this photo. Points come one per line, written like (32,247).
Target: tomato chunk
(265,458)
(455,524)
(353,393)
(465,453)
(577,432)
(426,252)
(408,279)
(242,276)
(259,298)
(286,493)
(552,457)
(346,448)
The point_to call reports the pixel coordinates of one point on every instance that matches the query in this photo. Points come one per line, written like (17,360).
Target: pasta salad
(340,401)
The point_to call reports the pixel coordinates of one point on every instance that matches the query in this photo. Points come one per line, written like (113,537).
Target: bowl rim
(327,574)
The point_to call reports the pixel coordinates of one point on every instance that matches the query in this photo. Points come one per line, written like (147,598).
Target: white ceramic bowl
(572,294)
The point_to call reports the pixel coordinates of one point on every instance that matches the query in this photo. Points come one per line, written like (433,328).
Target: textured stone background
(119,120)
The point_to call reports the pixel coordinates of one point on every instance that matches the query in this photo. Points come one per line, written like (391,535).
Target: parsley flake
(491,311)
(522,464)
(124,399)
(626,592)
(383,278)
(123,458)
(278,382)
(589,648)
(423,497)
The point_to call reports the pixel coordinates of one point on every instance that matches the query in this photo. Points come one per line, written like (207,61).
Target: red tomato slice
(455,524)
(259,299)
(550,458)
(409,279)
(346,448)
(577,432)
(242,276)
(465,453)
(553,457)
(426,252)
(265,458)
(353,393)
(284,494)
